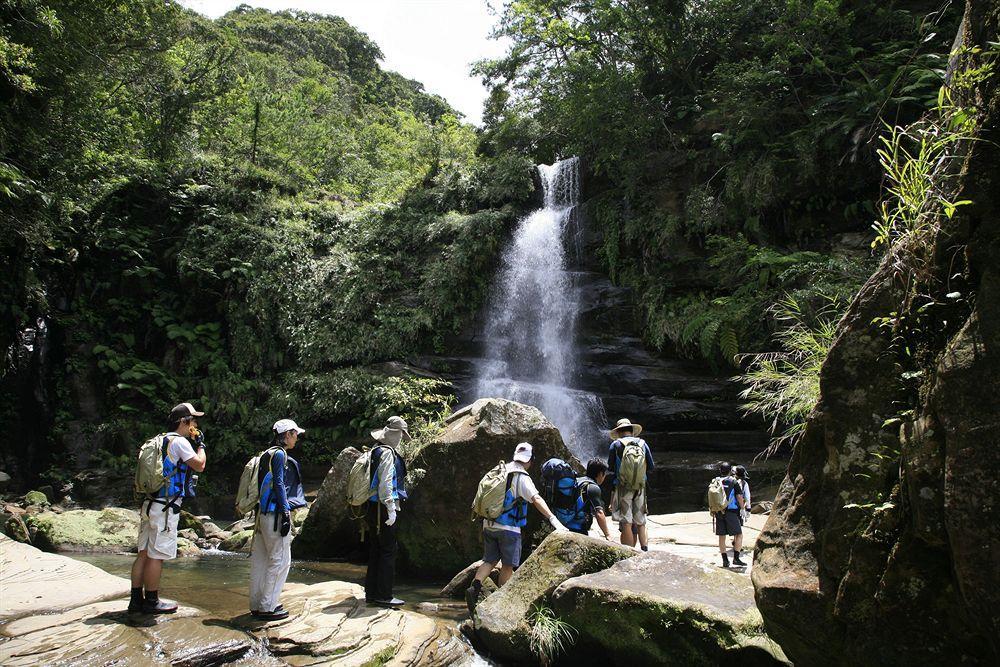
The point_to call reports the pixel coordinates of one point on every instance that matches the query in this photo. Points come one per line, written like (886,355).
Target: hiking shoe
(725,560)
(394,602)
(737,561)
(276,615)
(471,599)
(158,607)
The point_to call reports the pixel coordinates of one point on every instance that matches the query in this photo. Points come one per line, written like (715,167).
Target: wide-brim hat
(393,432)
(625,423)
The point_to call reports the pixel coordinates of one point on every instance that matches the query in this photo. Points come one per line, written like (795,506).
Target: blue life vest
(399,481)
(178,475)
(515,512)
(733,505)
(268,499)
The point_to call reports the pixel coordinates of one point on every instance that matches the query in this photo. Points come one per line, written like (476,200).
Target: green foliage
(550,635)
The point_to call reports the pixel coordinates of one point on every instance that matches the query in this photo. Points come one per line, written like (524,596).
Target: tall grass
(550,635)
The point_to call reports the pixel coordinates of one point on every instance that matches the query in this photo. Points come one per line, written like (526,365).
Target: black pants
(381,554)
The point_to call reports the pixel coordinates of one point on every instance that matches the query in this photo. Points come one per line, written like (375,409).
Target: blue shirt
(273,494)
(615,457)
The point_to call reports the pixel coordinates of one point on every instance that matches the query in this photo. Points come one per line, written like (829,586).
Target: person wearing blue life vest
(502,536)
(160,514)
(388,488)
(628,505)
(271,549)
(729,521)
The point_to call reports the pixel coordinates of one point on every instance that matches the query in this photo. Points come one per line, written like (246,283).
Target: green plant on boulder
(550,636)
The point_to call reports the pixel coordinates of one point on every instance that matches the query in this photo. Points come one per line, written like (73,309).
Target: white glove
(392,517)
(556,526)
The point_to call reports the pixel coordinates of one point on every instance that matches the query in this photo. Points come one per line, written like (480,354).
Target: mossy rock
(189,521)
(299,516)
(501,622)
(15,528)
(663,609)
(109,530)
(186,547)
(36,498)
(238,541)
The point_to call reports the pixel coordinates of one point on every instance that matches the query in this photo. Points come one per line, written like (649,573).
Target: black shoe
(725,560)
(276,615)
(394,602)
(737,562)
(158,607)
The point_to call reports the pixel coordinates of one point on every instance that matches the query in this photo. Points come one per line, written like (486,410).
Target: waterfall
(530,351)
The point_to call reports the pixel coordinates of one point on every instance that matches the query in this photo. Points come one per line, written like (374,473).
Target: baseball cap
(285,425)
(183,411)
(522,452)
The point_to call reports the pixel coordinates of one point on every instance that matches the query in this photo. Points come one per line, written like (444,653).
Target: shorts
(158,543)
(629,507)
(501,546)
(728,523)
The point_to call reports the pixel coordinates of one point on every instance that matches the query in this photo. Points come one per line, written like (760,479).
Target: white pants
(270,559)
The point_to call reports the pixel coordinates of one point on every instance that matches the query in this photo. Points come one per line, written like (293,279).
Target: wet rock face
(436,533)
(663,609)
(881,547)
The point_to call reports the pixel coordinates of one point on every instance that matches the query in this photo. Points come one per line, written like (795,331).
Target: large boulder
(436,533)
(328,530)
(881,547)
(663,609)
(503,620)
(330,624)
(109,530)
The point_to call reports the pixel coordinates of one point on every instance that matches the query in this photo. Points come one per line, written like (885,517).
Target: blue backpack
(562,492)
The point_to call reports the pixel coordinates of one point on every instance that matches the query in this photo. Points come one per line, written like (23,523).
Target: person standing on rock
(629,462)
(502,536)
(160,514)
(271,549)
(388,487)
(591,504)
(728,522)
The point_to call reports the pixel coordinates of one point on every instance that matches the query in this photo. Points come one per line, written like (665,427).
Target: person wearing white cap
(271,549)
(389,491)
(160,513)
(502,536)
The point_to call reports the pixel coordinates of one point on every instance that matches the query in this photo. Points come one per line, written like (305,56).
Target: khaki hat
(625,423)
(393,432)
(183,411)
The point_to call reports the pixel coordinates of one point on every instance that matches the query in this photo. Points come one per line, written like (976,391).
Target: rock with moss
(455,588)
(188,521)
(436,533)
(238,542)
(36,498)
(502,622)
(15,528)
(187,547)
(663,609)
(106,531)
(327,528)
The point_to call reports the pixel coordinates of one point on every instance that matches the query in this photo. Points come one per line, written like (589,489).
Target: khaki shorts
(158,543)
(629,507)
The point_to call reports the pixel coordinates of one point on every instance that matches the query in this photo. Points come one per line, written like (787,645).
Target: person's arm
(602,521)
(386,480)
(612,468)
(186,453)
(526,490)
(278,482)
(596,503)
(649,457)
(543,508)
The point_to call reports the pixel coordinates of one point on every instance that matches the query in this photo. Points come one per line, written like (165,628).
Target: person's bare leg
(643,541)
(151,576)
(722,544)
(506,572)
(483,571)
(628,536)
(738,543)
(138,568)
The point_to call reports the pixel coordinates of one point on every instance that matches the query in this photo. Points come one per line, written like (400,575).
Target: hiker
(388,491)
(160,512)
(629,461)
(502,536)
(590,494)
(575,500)
(727,521)
(271,549)
(744,477)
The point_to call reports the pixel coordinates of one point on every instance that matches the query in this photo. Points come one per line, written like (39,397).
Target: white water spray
(530,333)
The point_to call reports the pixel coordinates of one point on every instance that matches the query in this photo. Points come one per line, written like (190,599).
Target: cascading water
(530,353)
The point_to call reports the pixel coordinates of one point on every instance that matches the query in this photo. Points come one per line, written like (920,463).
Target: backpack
(359,479)
(718,499)
(559,484)
(632,469)
(149,477)
(248,494)
(492,492)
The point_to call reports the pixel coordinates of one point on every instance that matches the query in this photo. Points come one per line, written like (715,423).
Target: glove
(286,524)
(199,440)
(392,517)
(556,526)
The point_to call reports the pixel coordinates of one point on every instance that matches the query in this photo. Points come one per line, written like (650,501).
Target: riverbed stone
(329,623)
(456,587)
(502,620)
(327,529)
(36,498)
(238,542)
(109,530)
(436,533)
(15,528)
(663,609)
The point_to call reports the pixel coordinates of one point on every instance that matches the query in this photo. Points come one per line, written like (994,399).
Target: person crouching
(271,549)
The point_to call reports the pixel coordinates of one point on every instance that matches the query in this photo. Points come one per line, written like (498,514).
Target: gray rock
(456,587)
(329,530)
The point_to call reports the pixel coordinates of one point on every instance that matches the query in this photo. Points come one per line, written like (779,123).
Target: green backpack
(492,490)
(718,499)
(359,479)
(149,477)
(248,494)
(632,470)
